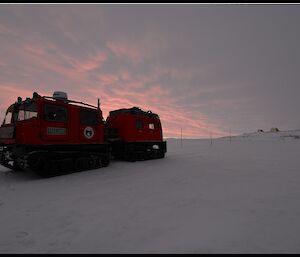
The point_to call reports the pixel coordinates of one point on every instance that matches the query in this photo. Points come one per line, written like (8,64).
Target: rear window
(56,113)
(139,124)
(88,117)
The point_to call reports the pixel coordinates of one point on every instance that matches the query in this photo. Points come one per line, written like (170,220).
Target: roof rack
(70,101)
(134,111)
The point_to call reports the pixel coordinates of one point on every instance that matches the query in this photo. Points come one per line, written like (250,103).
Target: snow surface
(236,195)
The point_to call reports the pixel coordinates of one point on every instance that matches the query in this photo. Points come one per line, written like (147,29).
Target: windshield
(27,111)
(19,112)
(8,115)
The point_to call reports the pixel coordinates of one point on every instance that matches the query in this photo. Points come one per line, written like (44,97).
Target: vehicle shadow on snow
(17,176)
(7,174)
(12,175)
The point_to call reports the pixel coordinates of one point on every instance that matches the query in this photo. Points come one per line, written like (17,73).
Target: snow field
(238,196)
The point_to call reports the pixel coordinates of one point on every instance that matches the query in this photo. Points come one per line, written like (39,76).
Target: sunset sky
(208,69)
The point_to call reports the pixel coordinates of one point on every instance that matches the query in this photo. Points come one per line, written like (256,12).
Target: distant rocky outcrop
(274,130)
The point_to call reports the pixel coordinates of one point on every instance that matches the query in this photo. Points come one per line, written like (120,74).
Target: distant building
(274,130)
(260,130)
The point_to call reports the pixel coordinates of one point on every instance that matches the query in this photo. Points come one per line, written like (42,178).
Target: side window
(88,117)
(151,126)
(139,124)
(55,113)
(7,119)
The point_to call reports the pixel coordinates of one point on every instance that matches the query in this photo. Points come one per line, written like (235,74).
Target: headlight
(155,146)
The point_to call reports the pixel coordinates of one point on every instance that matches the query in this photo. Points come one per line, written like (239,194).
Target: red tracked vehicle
(135,134)
(53,135)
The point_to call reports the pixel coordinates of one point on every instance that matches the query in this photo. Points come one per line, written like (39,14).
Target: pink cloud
(76,70)
(124,75)
(39,57)
(91,63)
(108,79)
(121,88)
(6,30)
(160,101)
(125,51)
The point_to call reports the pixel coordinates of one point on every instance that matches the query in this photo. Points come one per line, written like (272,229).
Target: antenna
(181,137)
(98,103)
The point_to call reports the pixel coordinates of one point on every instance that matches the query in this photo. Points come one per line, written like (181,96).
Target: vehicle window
(55,113)
(139,124)
(88,117)
(7,119)
(151,125)
(27,111)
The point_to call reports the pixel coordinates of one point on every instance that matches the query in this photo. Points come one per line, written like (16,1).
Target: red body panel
(74,129)
(28,131)
(36,130)
(125,125)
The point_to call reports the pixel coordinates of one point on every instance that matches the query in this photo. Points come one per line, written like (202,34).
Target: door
(55,123)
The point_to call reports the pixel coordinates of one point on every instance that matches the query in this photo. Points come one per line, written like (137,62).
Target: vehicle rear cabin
(135,134)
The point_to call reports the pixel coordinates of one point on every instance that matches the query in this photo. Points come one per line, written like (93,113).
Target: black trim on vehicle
(134,111)
(133,151)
